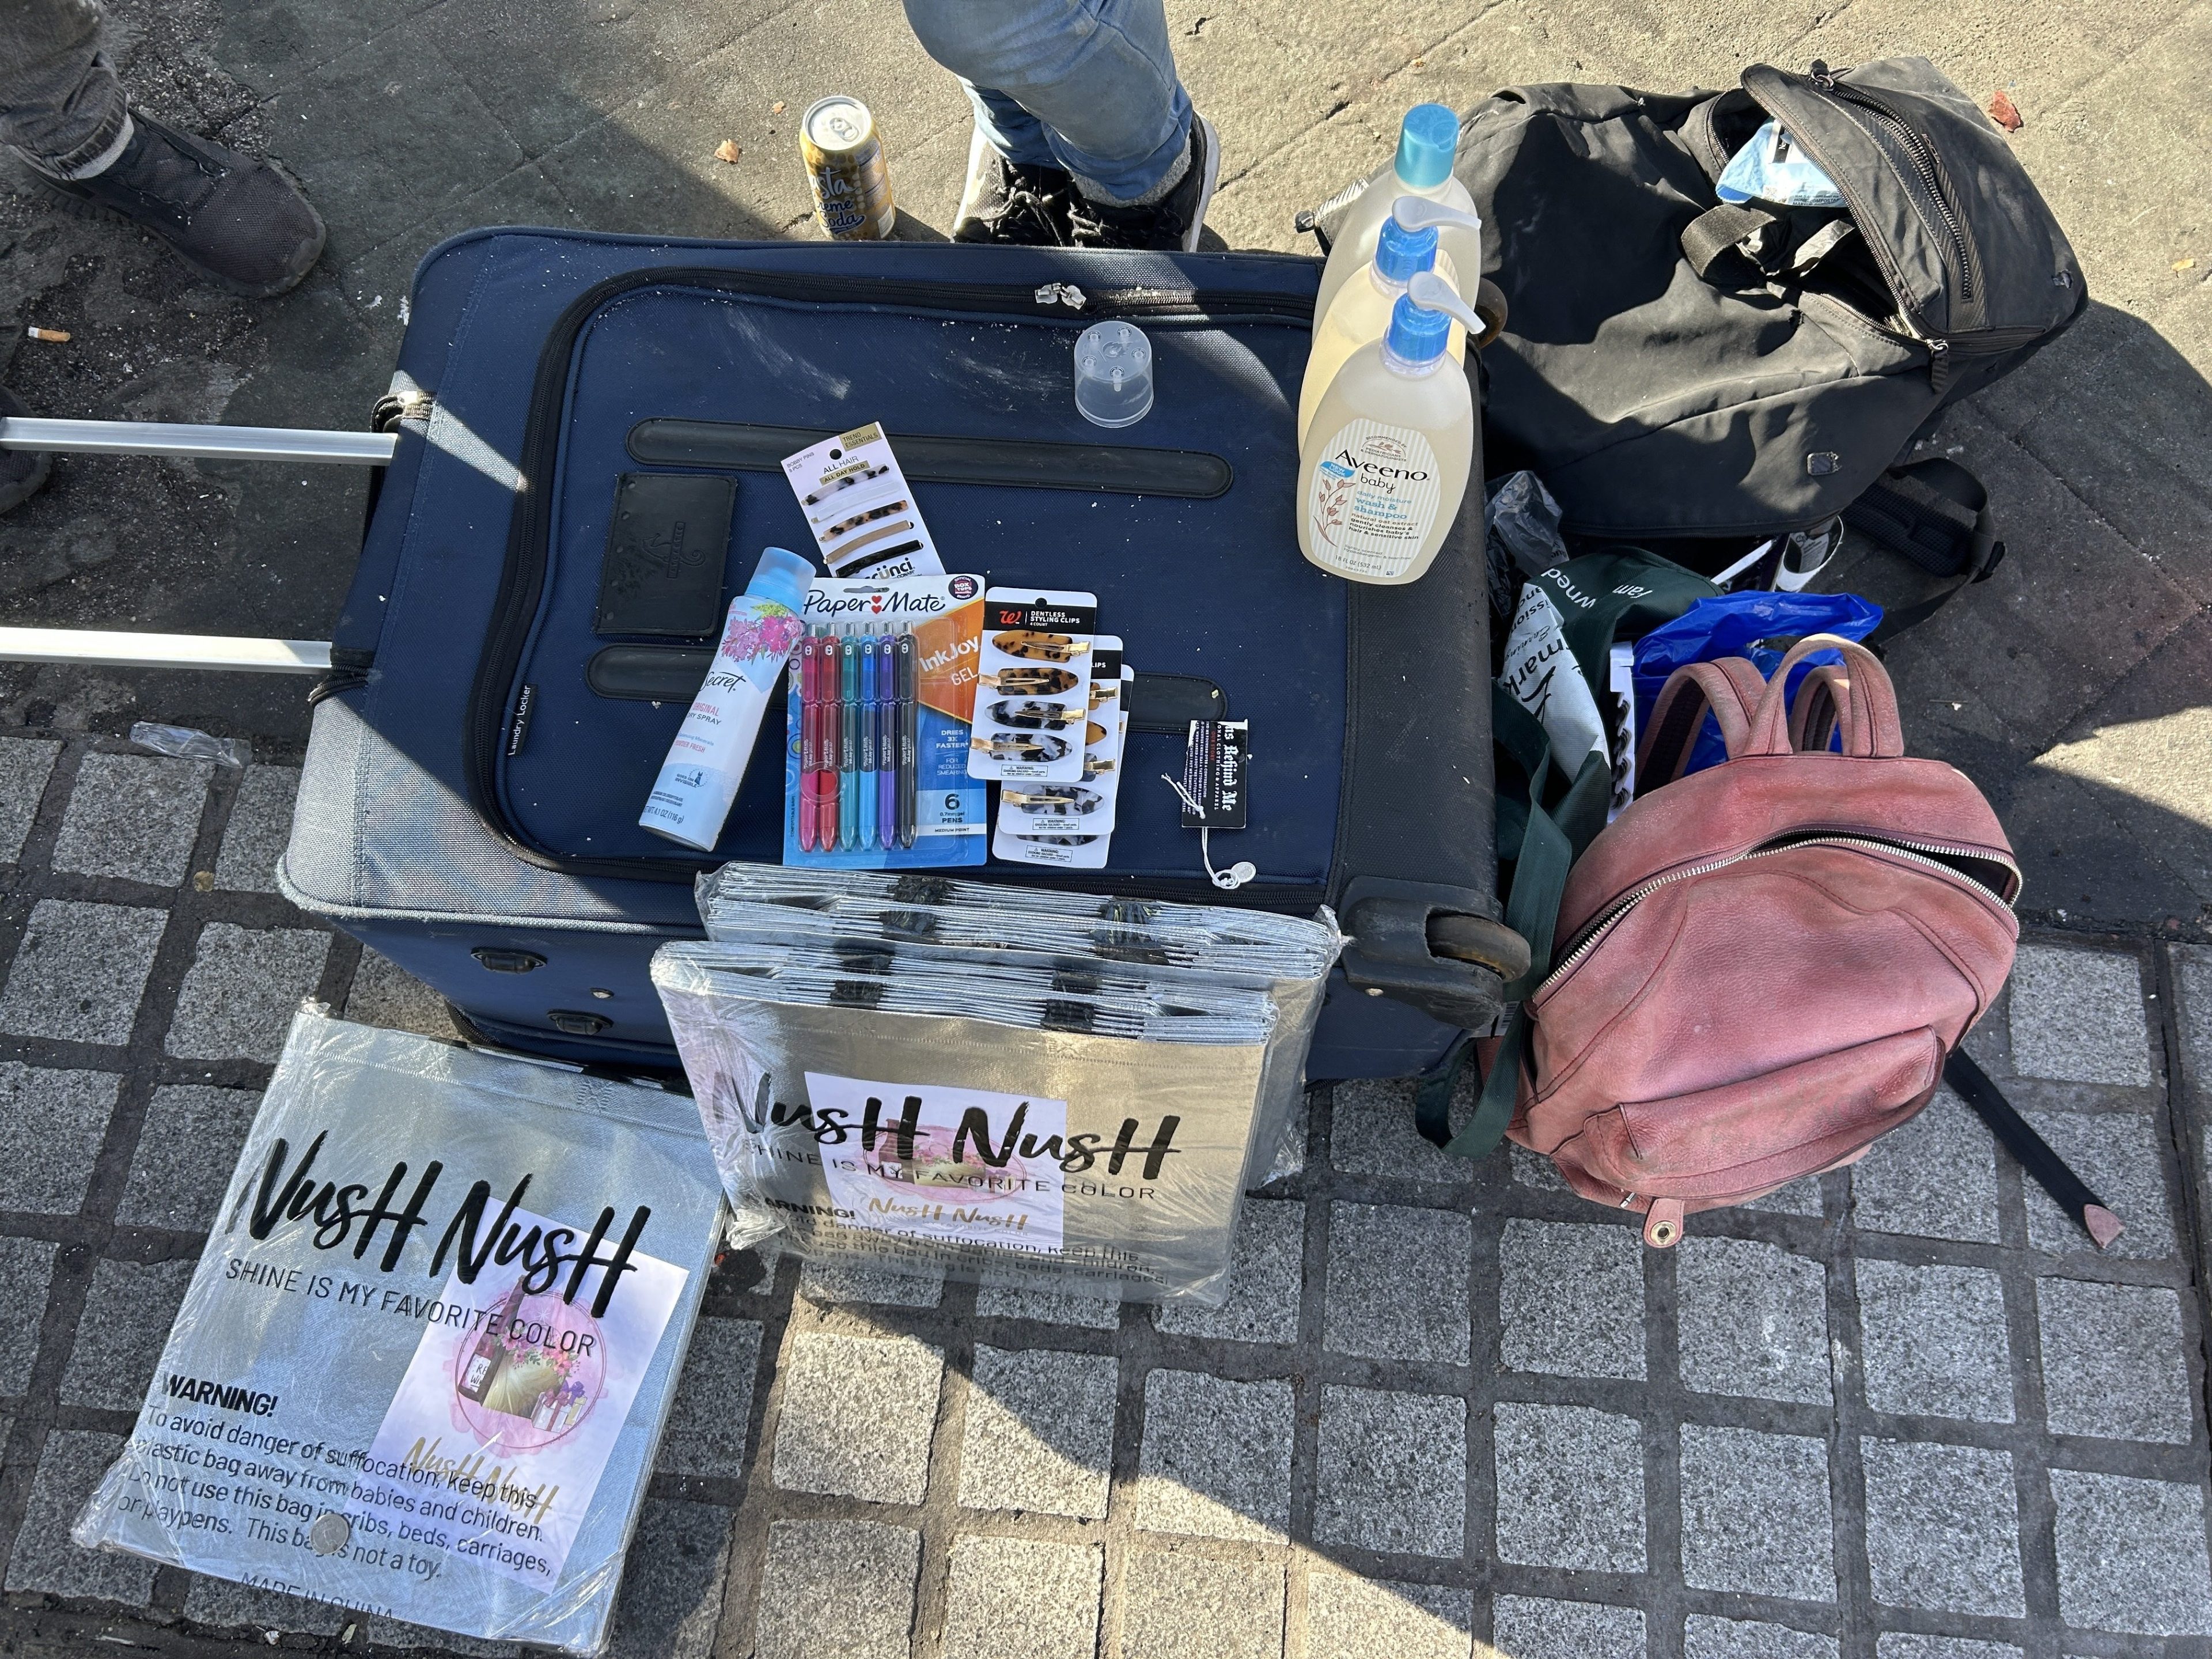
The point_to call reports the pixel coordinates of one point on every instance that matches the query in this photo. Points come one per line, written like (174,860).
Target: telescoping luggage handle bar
(228,443)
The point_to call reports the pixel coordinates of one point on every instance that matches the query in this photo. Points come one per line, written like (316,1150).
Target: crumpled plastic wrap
(887,1077)
(443,1413)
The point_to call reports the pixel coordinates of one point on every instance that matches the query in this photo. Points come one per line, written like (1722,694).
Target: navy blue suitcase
(480,754)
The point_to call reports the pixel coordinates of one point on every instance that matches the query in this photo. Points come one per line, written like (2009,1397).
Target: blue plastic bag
(1771,168)
(1731,626)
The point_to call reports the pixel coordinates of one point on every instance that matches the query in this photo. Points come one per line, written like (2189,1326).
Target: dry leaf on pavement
(728,150)
(2002,111)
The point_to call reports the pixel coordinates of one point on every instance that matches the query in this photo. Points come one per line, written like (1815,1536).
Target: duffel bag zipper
(1926,173)
(522,578)
(1917,852)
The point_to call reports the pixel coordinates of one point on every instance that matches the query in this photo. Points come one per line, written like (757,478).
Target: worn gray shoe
(1173,222)
(236,221)
(22,471)
(1010,204)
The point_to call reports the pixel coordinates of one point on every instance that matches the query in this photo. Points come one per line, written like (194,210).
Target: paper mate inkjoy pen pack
(882,686)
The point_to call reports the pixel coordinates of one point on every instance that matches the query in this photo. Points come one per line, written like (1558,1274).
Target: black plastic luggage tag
(666,545)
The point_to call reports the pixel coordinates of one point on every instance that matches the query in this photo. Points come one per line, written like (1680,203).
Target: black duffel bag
(1678,370)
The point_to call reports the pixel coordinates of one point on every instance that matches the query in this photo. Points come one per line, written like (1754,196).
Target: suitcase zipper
(1929,854)
(522,578)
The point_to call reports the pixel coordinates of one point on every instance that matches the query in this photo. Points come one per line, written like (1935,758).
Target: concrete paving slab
(1397,1283)
(855,1578)
(186,1151)
(1391,1474)
(2113,1363)
(219,1602)
(1942,1529)
(1181,1606)
(80,971)
(52,1123)
(1705,1637)
(1010,1598)
(1571,1299)
(1266,1267)
(1039,1432)
(1353,1618)
(26,1267)
(2077,1017)
(260,824)
(1535,1627)
(670,1606)
(242,989)
(44,1559)
(857,1414)
(1934,1341)
(1912,1644)
(1935,1178)
(1755,1513)
(714,1405)
(26,763)
(133,816)
(1372,1132)
(1217,1457)
(127,1314)
(1754,1320)
(2120,1155)
(1570,1488)
(1003,1301)
(385,993)
(828,1283)
(2131,1554)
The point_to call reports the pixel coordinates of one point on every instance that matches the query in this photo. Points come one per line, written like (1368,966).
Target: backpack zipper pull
(1822,76)
(1663,1222)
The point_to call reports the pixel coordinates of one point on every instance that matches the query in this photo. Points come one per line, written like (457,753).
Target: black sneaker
(236,221)
(22,471)
(1013,206)
(1171,223)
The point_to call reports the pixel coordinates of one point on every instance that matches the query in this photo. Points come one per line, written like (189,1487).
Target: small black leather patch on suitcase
(665,548)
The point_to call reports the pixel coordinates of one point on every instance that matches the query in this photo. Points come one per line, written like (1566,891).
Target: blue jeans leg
(1093,81)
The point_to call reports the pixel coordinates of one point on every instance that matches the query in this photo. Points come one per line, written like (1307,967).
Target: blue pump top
(1400,253)
(1428,141)
(1417,335)
(781,575)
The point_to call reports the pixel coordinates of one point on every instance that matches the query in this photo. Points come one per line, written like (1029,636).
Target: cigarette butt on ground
(58,336)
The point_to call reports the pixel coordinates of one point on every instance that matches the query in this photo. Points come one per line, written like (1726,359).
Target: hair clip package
(860,508)
(1033,693)
(881,688)
(1069,825)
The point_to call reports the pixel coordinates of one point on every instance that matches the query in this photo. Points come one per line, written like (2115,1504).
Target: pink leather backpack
(1762,966)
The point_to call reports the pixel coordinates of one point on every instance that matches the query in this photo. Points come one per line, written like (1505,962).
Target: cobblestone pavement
(1903,1412)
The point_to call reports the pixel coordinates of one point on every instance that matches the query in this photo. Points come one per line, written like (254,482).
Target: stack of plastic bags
(1043,1088)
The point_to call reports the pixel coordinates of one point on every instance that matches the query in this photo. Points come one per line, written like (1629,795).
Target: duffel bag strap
(1935,515)
(1718,229)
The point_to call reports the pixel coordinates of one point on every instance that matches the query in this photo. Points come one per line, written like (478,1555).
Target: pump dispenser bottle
(1385,462)
(1428,143)
(1360,313)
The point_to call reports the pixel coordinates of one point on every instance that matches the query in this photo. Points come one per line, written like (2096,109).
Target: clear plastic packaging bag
(183,743)
(1044,1089)
(426,1358)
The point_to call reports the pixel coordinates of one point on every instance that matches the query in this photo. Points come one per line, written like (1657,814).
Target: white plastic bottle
(1386,463)
(706,763)
(1428,141)
(1360,313)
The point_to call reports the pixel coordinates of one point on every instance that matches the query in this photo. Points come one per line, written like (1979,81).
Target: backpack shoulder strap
(1729,688)
(1859,691)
